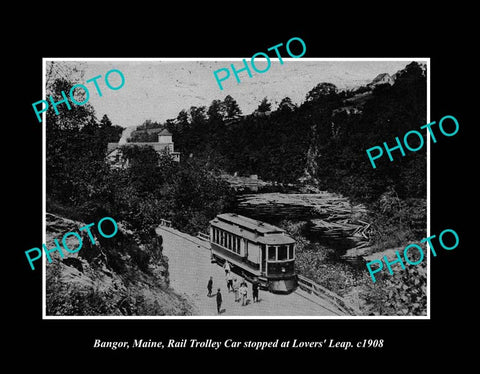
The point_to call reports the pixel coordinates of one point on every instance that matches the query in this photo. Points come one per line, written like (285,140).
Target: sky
(159,90)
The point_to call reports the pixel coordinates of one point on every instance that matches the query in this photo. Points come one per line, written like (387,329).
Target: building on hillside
(164,145)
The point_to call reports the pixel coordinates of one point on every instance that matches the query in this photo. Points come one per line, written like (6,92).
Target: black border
(449,309)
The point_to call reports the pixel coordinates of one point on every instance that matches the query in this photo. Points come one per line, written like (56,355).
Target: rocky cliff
(124,275)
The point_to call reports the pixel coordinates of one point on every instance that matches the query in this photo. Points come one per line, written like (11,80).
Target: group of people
(240,289)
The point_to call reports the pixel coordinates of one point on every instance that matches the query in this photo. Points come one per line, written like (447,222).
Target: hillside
(118,276)
(321,141)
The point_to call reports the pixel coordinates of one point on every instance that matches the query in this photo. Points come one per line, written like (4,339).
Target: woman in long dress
(243,293)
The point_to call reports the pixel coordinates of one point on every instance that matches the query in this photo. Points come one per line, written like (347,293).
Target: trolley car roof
(253,230)
(249,223)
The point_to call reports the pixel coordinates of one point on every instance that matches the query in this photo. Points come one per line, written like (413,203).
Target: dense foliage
(324,139)
(323,142)
(403,293)
(84,187)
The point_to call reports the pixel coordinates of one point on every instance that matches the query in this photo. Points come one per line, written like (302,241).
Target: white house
(162,146)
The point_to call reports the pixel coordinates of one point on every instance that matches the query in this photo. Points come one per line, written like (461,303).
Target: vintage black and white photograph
(215,189)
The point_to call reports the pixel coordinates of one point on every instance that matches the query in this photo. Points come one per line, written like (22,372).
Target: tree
(198,197)
(232,110)
(198,116)
(320,91)
(143,137)
(172,126)
(264,106)
(149,124)
(216,111)
(72,149)
(74,118)
(105,122)
(108,132)
(55,71)
(140,157)
(286,104)
(182,121)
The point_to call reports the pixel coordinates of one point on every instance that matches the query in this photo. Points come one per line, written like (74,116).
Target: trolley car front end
(256,250)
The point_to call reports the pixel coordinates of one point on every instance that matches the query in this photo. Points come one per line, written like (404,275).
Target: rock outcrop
(124,275)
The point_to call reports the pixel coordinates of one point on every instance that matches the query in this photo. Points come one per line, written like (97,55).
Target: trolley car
(254,249)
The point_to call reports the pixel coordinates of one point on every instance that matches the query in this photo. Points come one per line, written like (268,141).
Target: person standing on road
(235,289)
(229,281)
(210,286)
(243,292)
(226,266)
(219,301)
(255,291)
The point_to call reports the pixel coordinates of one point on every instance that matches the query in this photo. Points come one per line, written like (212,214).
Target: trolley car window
(238,245)
(282,252)
(290,251)
(271,253)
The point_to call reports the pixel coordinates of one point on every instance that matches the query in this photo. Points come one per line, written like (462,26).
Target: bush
(397,222)
(404,293)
